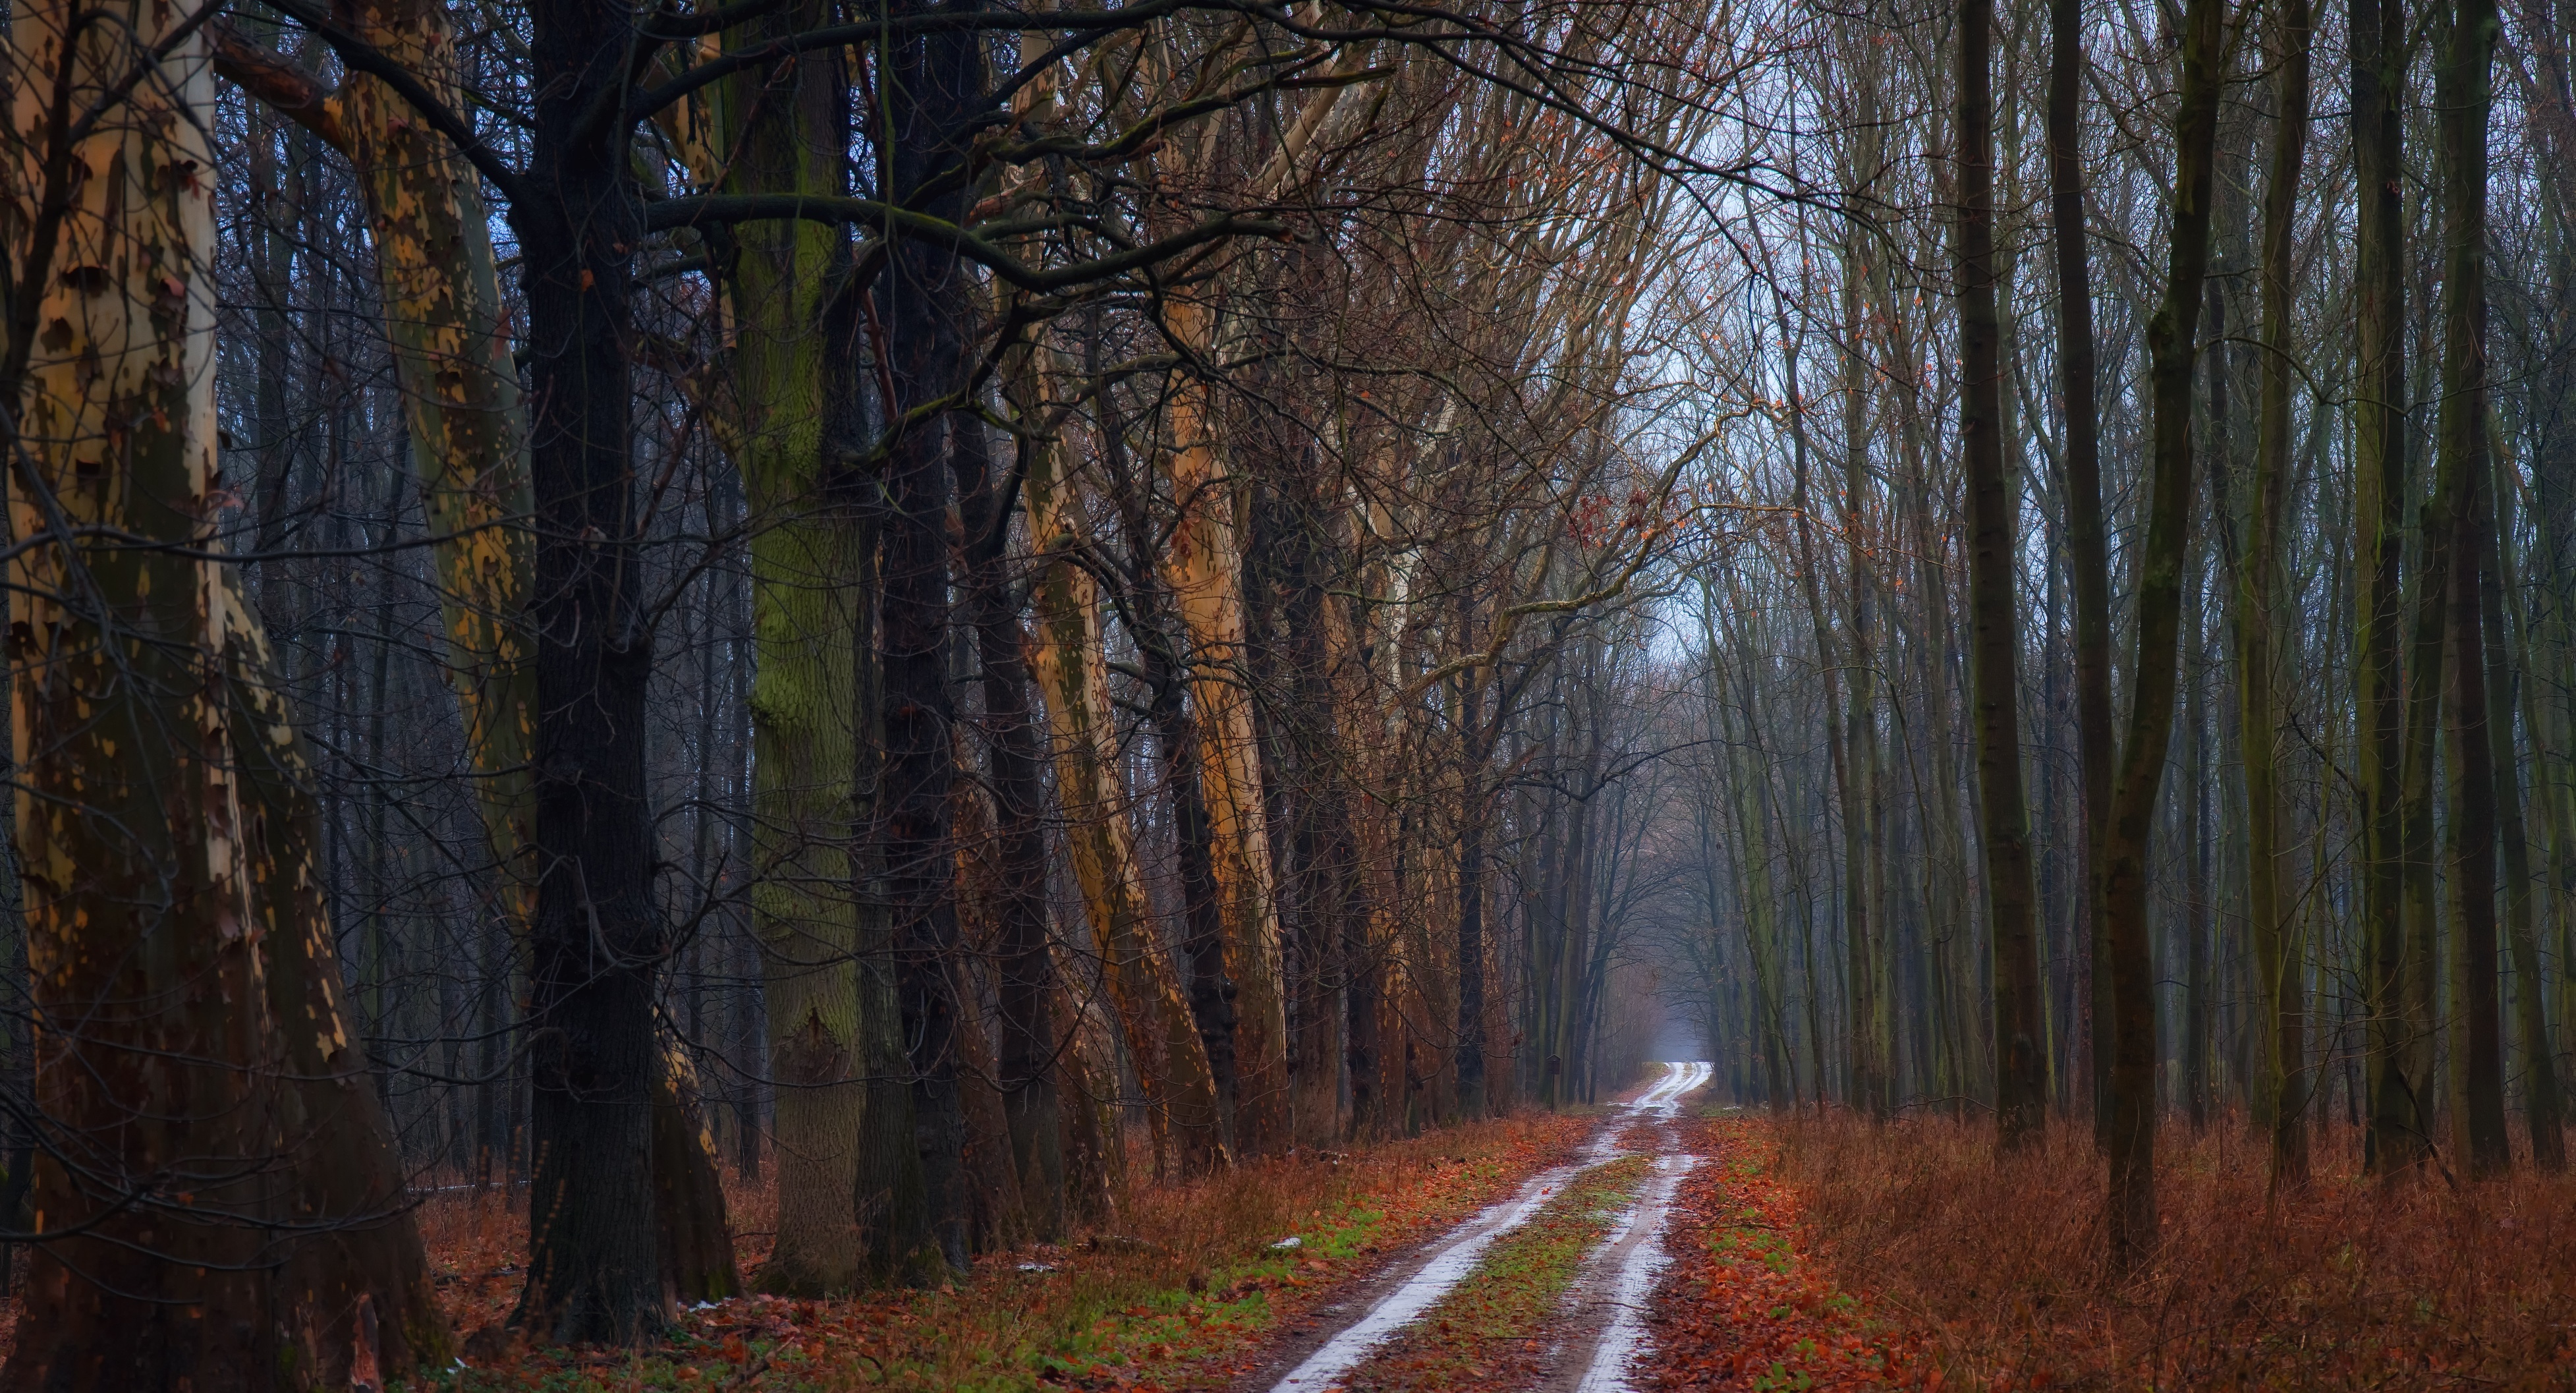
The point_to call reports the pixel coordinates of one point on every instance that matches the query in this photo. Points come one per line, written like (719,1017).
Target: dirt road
(1602,1316)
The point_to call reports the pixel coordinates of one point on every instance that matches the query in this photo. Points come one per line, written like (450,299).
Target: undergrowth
(2348,1285)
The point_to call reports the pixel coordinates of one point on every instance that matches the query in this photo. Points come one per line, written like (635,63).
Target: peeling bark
(221,1186)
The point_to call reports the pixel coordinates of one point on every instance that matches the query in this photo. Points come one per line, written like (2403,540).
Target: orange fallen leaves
(1190,1308)
(1835,1253)
(1743,1306)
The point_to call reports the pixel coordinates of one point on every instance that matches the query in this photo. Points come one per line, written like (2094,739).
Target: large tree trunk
(594,1273)
(2464,95)
(926,303)
(2128,837)
(810,570)
(161,806)
(465,420)
(2257,606)
(2021,1063)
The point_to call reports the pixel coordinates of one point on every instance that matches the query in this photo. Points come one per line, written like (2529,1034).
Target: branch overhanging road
(1605,1312)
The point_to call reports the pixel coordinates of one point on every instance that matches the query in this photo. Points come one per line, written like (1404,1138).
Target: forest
(1071,693)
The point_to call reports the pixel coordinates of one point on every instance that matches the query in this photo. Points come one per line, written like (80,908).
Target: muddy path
(1602,1315)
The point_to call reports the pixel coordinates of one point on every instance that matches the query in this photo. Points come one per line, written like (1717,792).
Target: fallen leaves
(1743,1307)
(1192,1309)
(1998,1262)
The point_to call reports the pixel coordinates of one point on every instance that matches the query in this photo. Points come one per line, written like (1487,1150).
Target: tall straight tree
(2088,554)
(2128,838)
(2257,604)
(783,132)
(2397,995)
(1994,553)
(2464,94)
(594,1274)
(932,86)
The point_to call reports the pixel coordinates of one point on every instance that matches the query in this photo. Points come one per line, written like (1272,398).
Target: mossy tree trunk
(780,130)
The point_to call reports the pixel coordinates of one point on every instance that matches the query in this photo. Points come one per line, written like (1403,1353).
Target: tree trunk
(1864,804)
(2088,553)
(809,570)
(1024,965)
(225,1048)
(1203,566)
(594,1273)
(2543,1102)
(925,303)
(2400,1122)
(2257,606)
(2021,1066)
(2129,835)
(1071,661)
(2464,96)
(1474,802)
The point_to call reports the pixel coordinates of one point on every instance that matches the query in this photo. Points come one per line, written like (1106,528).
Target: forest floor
(1190,1290)
(1513,1254)
(1656,1245)
(1931,1257)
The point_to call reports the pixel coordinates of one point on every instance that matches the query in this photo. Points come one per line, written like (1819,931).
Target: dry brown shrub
(2349,1284)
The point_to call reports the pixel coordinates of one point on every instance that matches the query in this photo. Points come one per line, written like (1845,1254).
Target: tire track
(1402,1298)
